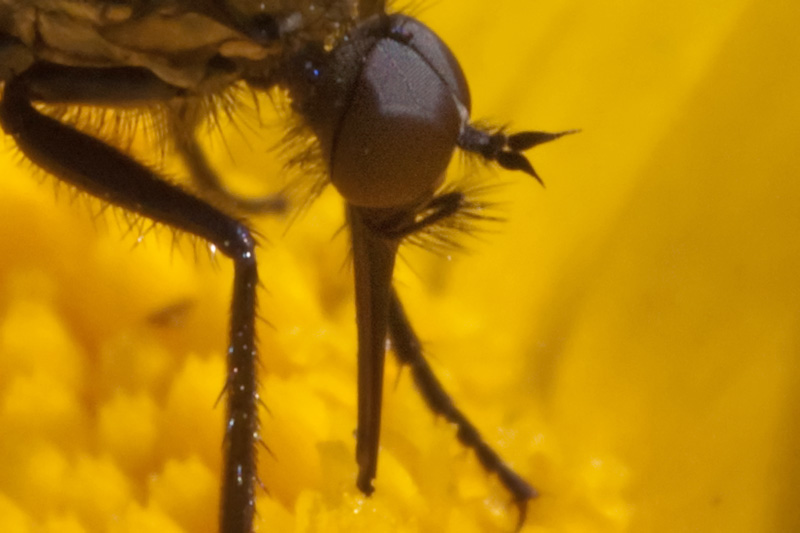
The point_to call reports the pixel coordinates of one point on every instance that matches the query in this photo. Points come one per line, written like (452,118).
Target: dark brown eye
(388,111)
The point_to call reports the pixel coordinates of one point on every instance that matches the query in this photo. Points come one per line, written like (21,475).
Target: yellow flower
(627,339)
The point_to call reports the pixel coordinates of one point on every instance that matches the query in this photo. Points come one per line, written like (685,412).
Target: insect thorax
(198,45)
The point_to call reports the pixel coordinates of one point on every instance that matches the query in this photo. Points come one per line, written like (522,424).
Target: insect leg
(184,117)
(408,350)
(104,172)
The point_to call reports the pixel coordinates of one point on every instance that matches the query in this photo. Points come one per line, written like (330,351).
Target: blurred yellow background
(627,339)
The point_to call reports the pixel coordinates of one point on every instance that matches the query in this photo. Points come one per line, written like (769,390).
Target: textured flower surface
(627,339)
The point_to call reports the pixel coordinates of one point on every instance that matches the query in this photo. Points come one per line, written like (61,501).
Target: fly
(385,102)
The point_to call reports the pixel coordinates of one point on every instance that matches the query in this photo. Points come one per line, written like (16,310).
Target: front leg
(102,171)
(408,350)
(183,118)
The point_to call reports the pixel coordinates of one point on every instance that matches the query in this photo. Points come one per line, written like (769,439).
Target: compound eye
(399,127)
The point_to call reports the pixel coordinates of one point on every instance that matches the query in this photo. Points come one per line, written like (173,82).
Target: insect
(381,96)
